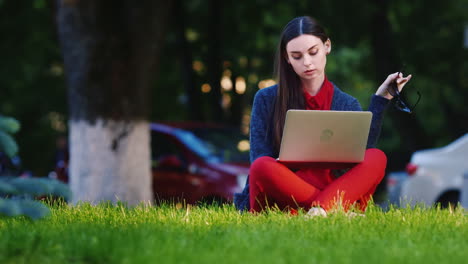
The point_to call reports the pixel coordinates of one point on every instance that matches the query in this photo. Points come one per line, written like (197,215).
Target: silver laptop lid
(324,136)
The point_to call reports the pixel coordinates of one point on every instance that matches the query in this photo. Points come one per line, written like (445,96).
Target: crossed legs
(273,183)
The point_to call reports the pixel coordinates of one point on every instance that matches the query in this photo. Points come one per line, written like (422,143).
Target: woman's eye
(296,57)
(313,52)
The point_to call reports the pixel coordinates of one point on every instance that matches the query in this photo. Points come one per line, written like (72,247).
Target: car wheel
(449,199)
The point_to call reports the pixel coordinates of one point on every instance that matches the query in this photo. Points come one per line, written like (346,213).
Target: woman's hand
(401,82)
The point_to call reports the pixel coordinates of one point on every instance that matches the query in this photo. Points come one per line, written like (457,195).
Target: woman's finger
(391,78)
(401,82)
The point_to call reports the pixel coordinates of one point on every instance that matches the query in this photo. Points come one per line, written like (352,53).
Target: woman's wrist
(385,94)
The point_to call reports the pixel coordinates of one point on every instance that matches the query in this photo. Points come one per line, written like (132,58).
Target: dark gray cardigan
(262,118)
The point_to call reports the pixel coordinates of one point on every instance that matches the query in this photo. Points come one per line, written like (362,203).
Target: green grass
(171,234)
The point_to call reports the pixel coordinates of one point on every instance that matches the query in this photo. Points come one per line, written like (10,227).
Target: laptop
(329,139)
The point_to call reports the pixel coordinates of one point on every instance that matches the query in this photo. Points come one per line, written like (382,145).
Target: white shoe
(316,211)
(353,214)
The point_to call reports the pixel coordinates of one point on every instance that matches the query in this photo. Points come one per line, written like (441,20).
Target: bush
(8,126)
(19,196)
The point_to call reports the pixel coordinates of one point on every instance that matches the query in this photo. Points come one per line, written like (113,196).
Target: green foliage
(8,144)
(426,36)
(34,187)
(345,69)
(32,209)
(8,126)
(19,194)
(31,79)
(177,234)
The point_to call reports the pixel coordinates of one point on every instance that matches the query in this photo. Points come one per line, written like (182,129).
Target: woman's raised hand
(401,82)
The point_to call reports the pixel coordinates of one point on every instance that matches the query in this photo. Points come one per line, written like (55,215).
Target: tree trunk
(107,167)
(110,49)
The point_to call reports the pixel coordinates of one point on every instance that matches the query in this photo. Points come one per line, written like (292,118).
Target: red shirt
(322,100)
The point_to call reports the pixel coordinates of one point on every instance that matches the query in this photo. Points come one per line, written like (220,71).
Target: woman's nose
(307,60)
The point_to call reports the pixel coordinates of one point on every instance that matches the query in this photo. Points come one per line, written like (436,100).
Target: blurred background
(218,54)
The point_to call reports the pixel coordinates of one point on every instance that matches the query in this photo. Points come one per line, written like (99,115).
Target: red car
(194,162)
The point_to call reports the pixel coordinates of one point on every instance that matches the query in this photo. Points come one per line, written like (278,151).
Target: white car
(432,176)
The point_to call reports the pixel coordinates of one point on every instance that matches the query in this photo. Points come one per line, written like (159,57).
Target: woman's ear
(328,46)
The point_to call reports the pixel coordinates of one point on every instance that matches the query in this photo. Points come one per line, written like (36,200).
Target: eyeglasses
(398,102)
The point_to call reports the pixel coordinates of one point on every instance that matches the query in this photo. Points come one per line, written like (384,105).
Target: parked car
(432,176)
(395,180)
(193,162)
(196,162)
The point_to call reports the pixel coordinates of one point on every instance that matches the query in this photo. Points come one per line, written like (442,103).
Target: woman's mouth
(309,72)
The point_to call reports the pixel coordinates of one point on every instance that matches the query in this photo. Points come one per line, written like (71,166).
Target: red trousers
(273,183)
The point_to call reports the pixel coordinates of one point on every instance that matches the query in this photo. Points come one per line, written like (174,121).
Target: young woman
(302,84)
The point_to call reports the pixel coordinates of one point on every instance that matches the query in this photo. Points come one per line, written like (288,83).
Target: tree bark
(103,171)
(109,50)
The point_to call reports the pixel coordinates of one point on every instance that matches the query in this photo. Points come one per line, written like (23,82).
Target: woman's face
(307,54)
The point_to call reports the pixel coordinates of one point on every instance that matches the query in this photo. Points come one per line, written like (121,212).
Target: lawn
(180,234)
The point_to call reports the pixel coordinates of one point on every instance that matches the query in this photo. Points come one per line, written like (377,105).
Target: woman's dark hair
(289,85)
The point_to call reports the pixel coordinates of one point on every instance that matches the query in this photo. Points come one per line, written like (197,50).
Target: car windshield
(216,144)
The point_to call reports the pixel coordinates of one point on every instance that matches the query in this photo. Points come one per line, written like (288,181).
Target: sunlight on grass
(209,234)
